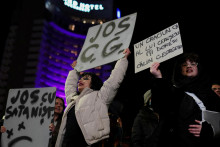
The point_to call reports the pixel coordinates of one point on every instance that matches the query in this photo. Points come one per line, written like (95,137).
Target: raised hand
(155,71)
(127,52)
(73,64)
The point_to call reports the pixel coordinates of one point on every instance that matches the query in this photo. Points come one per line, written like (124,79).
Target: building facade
(44,38)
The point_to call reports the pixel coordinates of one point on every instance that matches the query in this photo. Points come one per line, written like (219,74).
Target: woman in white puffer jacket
(85,120)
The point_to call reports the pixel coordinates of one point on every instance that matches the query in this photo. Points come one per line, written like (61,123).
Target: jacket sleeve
(165,97)
(71,85)
(111,85)
(137,133)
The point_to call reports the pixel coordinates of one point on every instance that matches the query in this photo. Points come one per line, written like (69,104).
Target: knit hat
(147,96)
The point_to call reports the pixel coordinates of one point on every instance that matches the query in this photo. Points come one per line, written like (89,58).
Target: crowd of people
(172,114)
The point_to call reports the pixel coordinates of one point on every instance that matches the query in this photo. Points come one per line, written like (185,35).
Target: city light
(84,7)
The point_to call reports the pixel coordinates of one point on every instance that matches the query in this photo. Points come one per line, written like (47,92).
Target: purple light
(59,48)
(66,32)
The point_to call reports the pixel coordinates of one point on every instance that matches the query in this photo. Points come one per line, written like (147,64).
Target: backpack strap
(198,102)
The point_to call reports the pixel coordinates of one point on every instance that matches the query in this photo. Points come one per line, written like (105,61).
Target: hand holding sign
(106,42)
(74,64)
(127,52)
(154,69)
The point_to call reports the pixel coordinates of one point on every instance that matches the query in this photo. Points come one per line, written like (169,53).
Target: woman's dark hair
(192,57)
(60,115)
(96,82)
(215,82)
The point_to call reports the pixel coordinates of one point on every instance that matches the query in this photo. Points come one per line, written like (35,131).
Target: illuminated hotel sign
(81,6)
(92,9)
(89,9)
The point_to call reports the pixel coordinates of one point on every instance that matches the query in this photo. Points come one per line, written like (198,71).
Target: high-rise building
(43,40)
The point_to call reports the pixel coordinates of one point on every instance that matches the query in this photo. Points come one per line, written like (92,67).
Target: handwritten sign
(158,48)
(106,42)
(28,115)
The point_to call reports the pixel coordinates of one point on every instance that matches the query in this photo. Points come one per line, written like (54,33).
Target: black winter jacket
(144,128)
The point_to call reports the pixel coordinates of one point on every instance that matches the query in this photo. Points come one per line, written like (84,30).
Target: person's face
(58,106)
(216,89)
(189,69)
(84,82)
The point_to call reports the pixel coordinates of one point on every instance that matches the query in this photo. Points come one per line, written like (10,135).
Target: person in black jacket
(183,102)
(144,129)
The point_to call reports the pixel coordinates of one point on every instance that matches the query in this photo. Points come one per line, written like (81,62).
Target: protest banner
(28,115)
(106,42)
(158,48)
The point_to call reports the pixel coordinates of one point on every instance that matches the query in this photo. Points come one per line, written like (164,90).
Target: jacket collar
(76,99)
(85,91)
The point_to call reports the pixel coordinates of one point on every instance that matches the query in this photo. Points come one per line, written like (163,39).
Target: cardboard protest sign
(106,42)
(158,48)
(28,115)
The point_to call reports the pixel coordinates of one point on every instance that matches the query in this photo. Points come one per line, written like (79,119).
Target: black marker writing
(14,141)
(108,30)
(26,111)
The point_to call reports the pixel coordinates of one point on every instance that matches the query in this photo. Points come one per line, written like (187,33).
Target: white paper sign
(106,42)
(28,115)
(158,48)
(213,118)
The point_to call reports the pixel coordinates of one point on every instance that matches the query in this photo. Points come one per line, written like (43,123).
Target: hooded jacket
(144,128)
(91,107)
(180,110)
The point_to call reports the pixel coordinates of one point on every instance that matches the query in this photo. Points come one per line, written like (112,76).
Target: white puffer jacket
(91,107)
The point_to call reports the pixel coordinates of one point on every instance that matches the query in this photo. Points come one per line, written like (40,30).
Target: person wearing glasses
(182,102)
